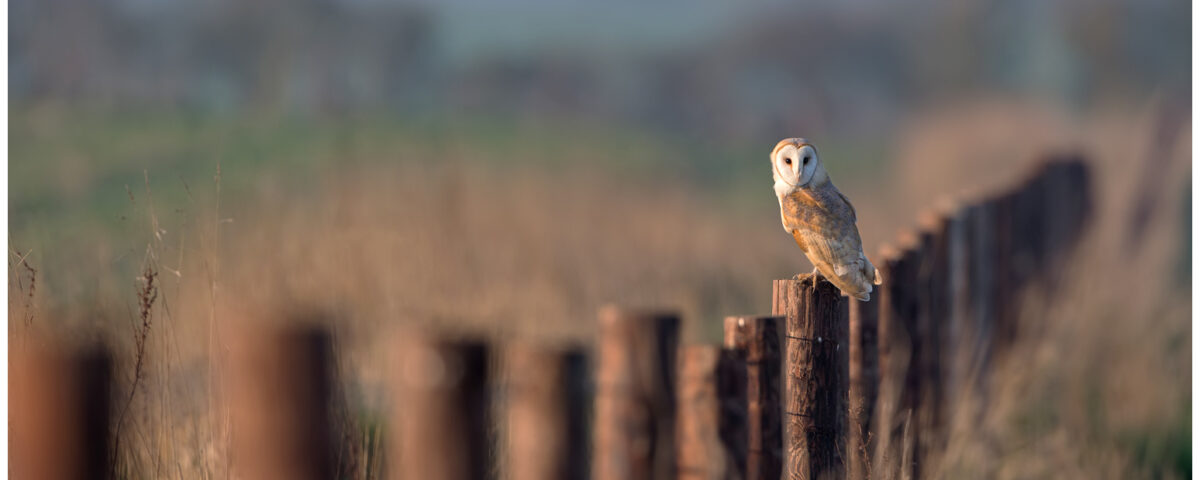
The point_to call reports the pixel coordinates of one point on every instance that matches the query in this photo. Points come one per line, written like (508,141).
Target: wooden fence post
(548,398)
(1067,189)
(899,359)
(1003,271)
(913,318)
(816,380)
(60,413)
(934,315)
(957,336)
(635,395)
(711,425)
(281,384)
(887,396)
(864,384)
(886,426)
(1029,234)
(1057,222)
(441,409)
(980,277)
(761,337)
(1078,181)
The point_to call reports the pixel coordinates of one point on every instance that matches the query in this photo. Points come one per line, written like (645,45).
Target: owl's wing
(853,214)
(837,253)
(799,236)
(837,245)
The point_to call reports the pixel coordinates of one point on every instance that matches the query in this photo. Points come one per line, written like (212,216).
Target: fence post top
(888,253)
(907,239)
(932,220)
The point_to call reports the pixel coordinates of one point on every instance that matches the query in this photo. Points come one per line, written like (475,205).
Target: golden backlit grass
(1099,386)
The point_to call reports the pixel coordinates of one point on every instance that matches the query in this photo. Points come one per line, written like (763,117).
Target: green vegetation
(79,179)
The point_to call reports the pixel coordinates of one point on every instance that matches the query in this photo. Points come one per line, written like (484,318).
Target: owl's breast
(801,210)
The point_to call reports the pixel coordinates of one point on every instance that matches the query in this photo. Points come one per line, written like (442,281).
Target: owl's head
(795,165)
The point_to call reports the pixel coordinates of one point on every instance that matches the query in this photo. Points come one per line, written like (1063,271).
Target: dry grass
(470,247)
(1099,385)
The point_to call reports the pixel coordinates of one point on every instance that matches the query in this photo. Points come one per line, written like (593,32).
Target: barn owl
(821,219)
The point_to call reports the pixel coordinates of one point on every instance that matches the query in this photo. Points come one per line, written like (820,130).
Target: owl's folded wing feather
(840,248)
(796,234)
(853,214)
(837,253)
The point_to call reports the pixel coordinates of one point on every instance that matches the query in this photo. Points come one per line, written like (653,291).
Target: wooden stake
(884,428)
(934,315)
(711,426)
(1067,210)
(899,354)
(915,320)
(60,413)
(1004,271)
(440,416)
(280,383)
(1029,233)
(980,278)
(548,399)
(761,338)
(958,334)
(864,383)
(635,395)
(816,378)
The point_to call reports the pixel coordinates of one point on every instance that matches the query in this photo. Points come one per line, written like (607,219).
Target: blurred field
(509,227)
(179,169)
(482,203)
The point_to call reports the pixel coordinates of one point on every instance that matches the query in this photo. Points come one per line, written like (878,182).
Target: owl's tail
(864,288)
(877,279)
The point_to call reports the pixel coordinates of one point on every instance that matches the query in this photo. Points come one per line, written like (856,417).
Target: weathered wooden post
(281,383)
(1001,208)
(1067,208)
(816,377)
(899,357)
(547,409)
(934,314)
(60,413)
(885,426)
(635,395)
(711,425)
(980,279)
(440,413)
(1029,234)
(761,337)
(1078,181)
(914,320)
(957,336)
(864,383)
(1057,220)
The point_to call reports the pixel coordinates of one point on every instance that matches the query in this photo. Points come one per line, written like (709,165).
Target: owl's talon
(815,276)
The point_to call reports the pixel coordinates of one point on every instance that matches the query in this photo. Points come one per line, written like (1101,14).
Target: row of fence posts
(948,308)
(824,387)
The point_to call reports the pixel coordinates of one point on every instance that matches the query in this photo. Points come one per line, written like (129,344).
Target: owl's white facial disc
(806,157)
(796,166)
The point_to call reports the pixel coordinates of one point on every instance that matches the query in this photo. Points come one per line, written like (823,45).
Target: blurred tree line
(768,66)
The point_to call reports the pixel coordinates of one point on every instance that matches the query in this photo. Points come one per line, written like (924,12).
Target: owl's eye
(787,161)
(806,160)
